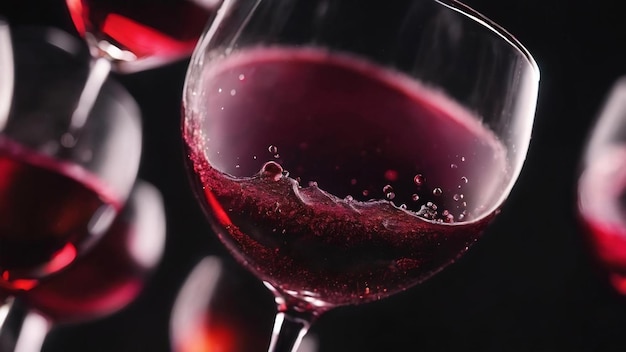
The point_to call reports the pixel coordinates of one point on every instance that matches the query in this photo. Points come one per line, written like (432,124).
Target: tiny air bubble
(454,166)
(390,195)
(415,197)
(464,179)
(271,170)
(242,77)
(233,92)
(387,189)
(418,179)
(273,149)
(365,193)
(437,191)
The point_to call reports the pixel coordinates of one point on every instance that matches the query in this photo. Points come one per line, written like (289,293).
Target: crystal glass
(345,151)
(135,35)
(62,181)
(102,282)
(221,307)
(602,188)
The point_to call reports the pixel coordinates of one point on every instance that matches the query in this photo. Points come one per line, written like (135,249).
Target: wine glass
(345,151)
(221,307)
(135,35)
(58,192)
(100,283)
(602,186)
(128,36)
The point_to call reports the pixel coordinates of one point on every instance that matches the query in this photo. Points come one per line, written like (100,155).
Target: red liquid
(222,309)
(369,182)
(602,206)
(158,29)
(48,211)
(103,281)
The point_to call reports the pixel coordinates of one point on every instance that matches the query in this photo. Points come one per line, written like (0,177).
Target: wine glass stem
(290,326)
(98,74)
(21,330)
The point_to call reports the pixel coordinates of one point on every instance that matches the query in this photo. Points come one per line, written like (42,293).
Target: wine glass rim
(494,27)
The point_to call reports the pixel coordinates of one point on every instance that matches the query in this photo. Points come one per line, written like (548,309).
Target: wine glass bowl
(220,307)
(601,187)
(99,284)
(141,34)
(131,248)
(346,151)
(60,186)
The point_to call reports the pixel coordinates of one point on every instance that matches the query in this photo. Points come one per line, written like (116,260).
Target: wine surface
(334,180)
(49,209)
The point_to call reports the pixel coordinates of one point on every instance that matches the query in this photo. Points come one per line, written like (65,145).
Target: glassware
(104,281)
(602,187)
(221,307)
(135,35)
(59,191)
(345,151)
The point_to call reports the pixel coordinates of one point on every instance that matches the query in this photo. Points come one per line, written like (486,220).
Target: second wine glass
(345,151)
(59,193)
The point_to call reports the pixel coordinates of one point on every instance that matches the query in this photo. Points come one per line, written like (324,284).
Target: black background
(528,285)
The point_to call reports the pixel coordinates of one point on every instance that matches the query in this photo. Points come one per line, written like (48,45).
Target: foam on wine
(337,181)
(49,209)
(602,206)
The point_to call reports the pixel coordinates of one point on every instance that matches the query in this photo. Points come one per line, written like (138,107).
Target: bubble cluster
(389,192)
(428,211)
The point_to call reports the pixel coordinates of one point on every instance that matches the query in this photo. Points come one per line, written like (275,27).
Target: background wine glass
(104,281)
(130,36)
(602,187)
(59,193)
(139,34)
(345,152)
(221,307)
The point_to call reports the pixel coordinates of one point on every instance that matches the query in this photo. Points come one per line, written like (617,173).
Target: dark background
(528,285)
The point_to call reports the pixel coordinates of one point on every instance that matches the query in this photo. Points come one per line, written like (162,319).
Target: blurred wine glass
(101,283)
(59,191)
(345,151)
(127,36)
(221,307)
(602,187)
(135,35)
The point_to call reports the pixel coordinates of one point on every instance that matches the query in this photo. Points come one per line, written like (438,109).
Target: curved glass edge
(494,27)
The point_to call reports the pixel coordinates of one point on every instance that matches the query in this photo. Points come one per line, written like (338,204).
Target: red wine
(107,278)
(221,308)
(49,209)
(602,206)
(157,29)
(337,181)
